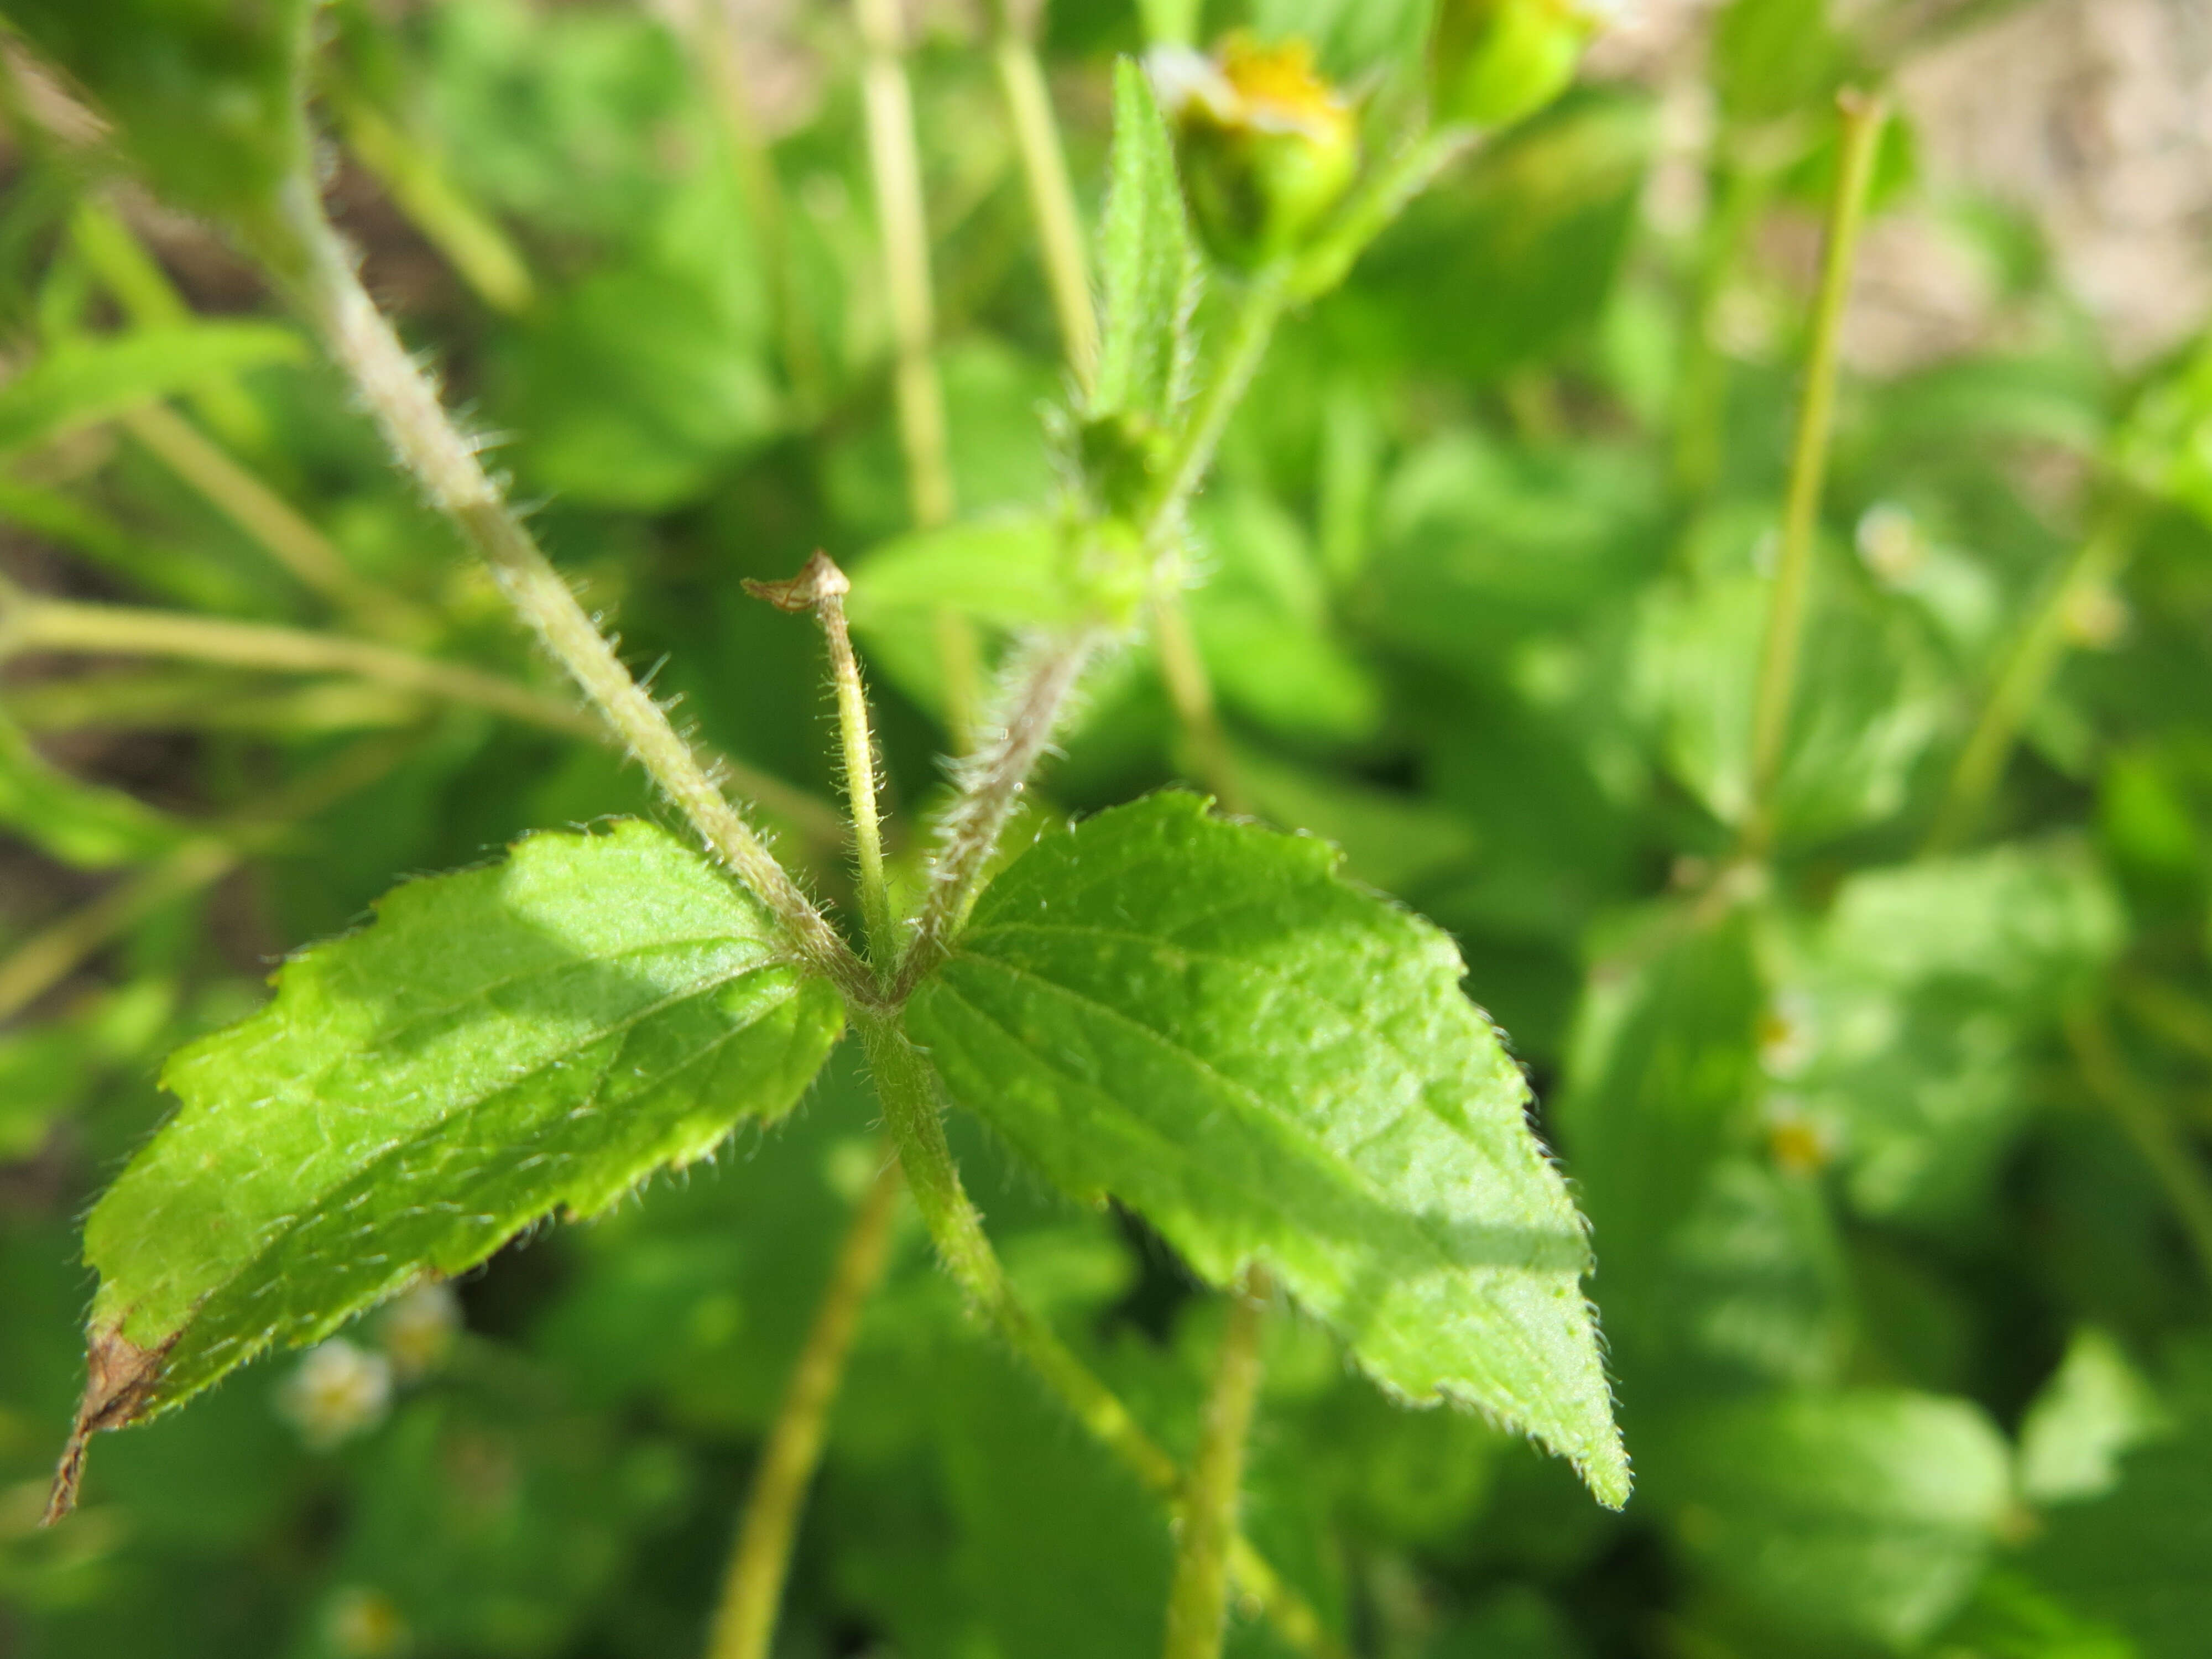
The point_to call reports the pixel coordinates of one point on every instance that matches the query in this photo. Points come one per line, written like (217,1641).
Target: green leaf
(1920,1006)
(1003,573)
(2134,1558)
(84,381)
(1775,57)
(1204,1020)
(204,92)
(1659,1079)
(1539,225)
(2095,1407)
(1261,621)
(1865,711)
(540,1035)
(83,824)
(632,389)
(1149,265)
(1866,1514)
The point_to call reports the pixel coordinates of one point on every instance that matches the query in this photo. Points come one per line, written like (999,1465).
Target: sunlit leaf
(1204,1020)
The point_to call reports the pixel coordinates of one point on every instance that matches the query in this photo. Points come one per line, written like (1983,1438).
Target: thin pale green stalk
(51,955)
(1198,1602)
(1191,691)
(2176,1165)
(1052,196)
(33,622)
(316,269)
(2029,666)
(1776,690)
(894,166)
(267,518)
(821,587)
(752,1589)
(472,242)
(168,699)
(907,1091)
(29,623)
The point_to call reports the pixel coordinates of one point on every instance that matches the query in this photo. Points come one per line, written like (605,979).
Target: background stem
(269,520)
(2179,1170)
(2025,675)
(1191,691)
(715,39)
(29,623)
(1052,196)
(50,956)
(752,1590)
(894,165)
(305,253)
(908,1092)
(1198,1604)
(1863,117)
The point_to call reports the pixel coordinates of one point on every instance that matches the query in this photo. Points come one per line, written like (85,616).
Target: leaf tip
(120,1377)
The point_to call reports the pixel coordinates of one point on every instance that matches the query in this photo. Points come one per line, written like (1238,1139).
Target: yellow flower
(1267,145)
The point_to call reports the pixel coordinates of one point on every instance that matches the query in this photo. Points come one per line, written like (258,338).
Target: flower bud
(1267,146)
(1497,61)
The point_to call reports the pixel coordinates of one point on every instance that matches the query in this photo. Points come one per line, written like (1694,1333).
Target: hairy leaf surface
(1149,262)
(538,1035)
(1202,1019)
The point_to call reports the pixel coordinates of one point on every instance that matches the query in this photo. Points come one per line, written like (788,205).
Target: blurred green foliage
(1894,1149)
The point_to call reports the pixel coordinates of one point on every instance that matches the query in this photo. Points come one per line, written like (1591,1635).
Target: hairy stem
(2028,667)
(752,1589)
(992,778)
(821,587)
(1198,1604)
(908,1093)
(1052,197)
(2171,1159)
(1863,117)
(50,956)
(895,164)
(269,521)
(992,787)
(317,269)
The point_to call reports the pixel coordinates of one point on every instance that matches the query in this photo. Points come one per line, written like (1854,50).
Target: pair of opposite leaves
(1199,1017)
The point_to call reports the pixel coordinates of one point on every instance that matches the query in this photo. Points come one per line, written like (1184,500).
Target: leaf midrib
(359,1174)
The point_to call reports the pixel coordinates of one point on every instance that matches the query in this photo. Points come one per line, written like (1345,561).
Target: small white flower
(417,1331)
(336,1392)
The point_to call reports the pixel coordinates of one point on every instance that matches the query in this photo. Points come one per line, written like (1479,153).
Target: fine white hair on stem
(1033,697)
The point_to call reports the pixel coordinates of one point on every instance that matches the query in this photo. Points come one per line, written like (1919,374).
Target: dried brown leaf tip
(119,1376)
(819,582)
